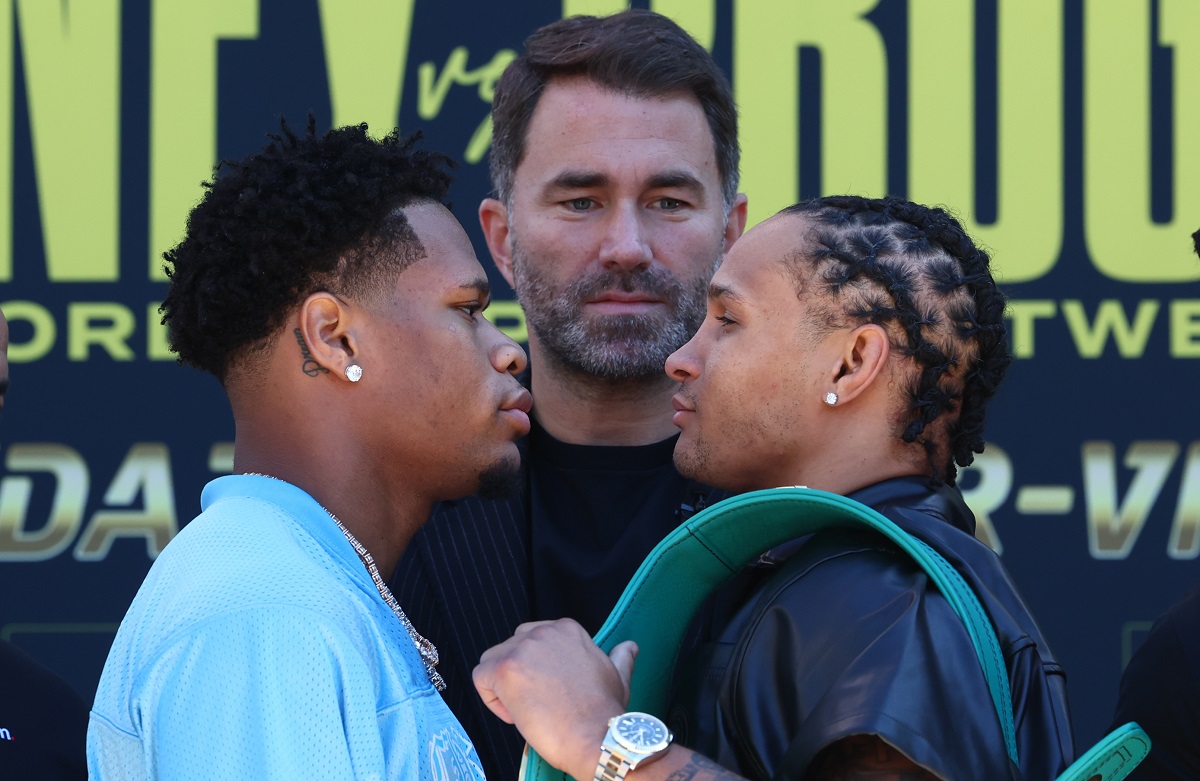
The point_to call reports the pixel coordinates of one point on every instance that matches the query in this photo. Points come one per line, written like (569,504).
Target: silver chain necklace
(428,651)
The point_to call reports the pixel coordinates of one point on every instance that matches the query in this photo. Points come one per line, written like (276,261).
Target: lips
(516,407)
(683,407)
(618,303)
(619,297)
(518,400)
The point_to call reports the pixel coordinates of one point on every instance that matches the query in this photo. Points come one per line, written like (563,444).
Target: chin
(500,481)
(694,463)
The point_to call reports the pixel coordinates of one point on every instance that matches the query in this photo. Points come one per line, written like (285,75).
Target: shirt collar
(297,504)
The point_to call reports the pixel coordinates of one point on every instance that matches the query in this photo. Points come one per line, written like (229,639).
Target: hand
(558,688)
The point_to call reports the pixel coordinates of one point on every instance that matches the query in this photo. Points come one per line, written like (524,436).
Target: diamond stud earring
(830,398)
(354,372)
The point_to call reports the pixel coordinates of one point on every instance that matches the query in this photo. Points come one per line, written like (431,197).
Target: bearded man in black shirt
(615,166)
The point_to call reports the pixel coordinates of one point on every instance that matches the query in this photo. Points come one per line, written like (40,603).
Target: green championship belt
(716,543)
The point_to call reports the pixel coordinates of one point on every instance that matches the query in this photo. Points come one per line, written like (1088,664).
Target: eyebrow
(718,291)
(479,285)
(584,179)
(676,178)
(577,180)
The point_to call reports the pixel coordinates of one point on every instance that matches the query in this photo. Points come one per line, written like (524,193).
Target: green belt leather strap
(697,557)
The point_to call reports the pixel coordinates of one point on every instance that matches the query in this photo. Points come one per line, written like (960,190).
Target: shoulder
(883,654)
(237,553)
(856,575)
(235,646)
(240,582)
(286,692)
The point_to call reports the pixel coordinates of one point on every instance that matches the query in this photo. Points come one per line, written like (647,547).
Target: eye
(471,310)
(669,204)
(580,204)
(724,320)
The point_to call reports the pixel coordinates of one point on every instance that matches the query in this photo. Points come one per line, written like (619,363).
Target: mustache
(685,392)
(656,282)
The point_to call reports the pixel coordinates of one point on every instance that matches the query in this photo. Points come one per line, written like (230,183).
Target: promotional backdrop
(1065,134)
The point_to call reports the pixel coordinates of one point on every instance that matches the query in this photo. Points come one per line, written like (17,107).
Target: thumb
(622,658)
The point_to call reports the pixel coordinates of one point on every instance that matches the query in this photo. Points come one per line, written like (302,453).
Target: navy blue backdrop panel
(1059,131)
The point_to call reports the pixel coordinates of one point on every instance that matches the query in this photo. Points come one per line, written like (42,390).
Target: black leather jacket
(842,634)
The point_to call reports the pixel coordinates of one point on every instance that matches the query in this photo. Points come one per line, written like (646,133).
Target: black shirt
(595,511)
(1160,690)
(43,721)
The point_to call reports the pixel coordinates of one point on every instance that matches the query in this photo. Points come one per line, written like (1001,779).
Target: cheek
(443,368)
(690,249)
(756,407)
(554,239)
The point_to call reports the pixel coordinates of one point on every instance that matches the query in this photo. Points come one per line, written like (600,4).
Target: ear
(864,354)
(330,343)
(735,222)
(493,218)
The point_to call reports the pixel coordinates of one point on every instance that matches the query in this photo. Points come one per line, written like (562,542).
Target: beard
(614,347)
(499,481)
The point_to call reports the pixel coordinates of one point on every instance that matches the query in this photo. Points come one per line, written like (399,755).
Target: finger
(495,706)
(623,657)
(479,676)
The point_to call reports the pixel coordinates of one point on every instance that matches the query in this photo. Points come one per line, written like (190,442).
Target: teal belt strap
(697,557)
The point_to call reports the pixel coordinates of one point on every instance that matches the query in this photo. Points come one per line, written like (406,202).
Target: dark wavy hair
(913,270)
(306,213)
(636,52)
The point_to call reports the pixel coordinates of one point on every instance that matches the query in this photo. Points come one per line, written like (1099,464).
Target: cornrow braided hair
(913,270)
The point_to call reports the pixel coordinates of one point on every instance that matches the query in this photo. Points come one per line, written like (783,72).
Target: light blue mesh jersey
(258,647)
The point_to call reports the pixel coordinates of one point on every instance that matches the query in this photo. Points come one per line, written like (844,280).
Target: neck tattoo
(428,651)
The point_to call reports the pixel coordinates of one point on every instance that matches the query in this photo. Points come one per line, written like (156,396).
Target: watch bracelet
(611,767)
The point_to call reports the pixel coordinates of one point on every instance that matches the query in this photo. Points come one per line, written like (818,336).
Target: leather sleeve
(905,670)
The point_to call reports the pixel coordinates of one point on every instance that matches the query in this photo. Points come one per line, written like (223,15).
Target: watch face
(641,732)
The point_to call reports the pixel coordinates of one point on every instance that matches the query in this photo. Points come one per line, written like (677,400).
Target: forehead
(755,267)
(449,260)
(580,125)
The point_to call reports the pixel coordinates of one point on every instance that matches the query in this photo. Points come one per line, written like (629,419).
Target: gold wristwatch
(632,739)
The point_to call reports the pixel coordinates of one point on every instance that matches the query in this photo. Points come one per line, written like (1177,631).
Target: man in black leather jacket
(851,345)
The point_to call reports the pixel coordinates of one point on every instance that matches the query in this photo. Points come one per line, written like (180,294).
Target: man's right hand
(558,688)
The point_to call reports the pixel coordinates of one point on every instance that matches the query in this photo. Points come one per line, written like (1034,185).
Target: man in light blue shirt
(324,283)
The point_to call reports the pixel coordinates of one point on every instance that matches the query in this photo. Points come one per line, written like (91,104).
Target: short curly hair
(914,270)
(306,213)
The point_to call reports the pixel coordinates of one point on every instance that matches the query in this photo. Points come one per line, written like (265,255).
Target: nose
(625,246)
(683,364)
(507,355)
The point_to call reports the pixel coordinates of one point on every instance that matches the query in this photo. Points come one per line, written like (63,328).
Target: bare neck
(590,411)
(382,512)
(860,461)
